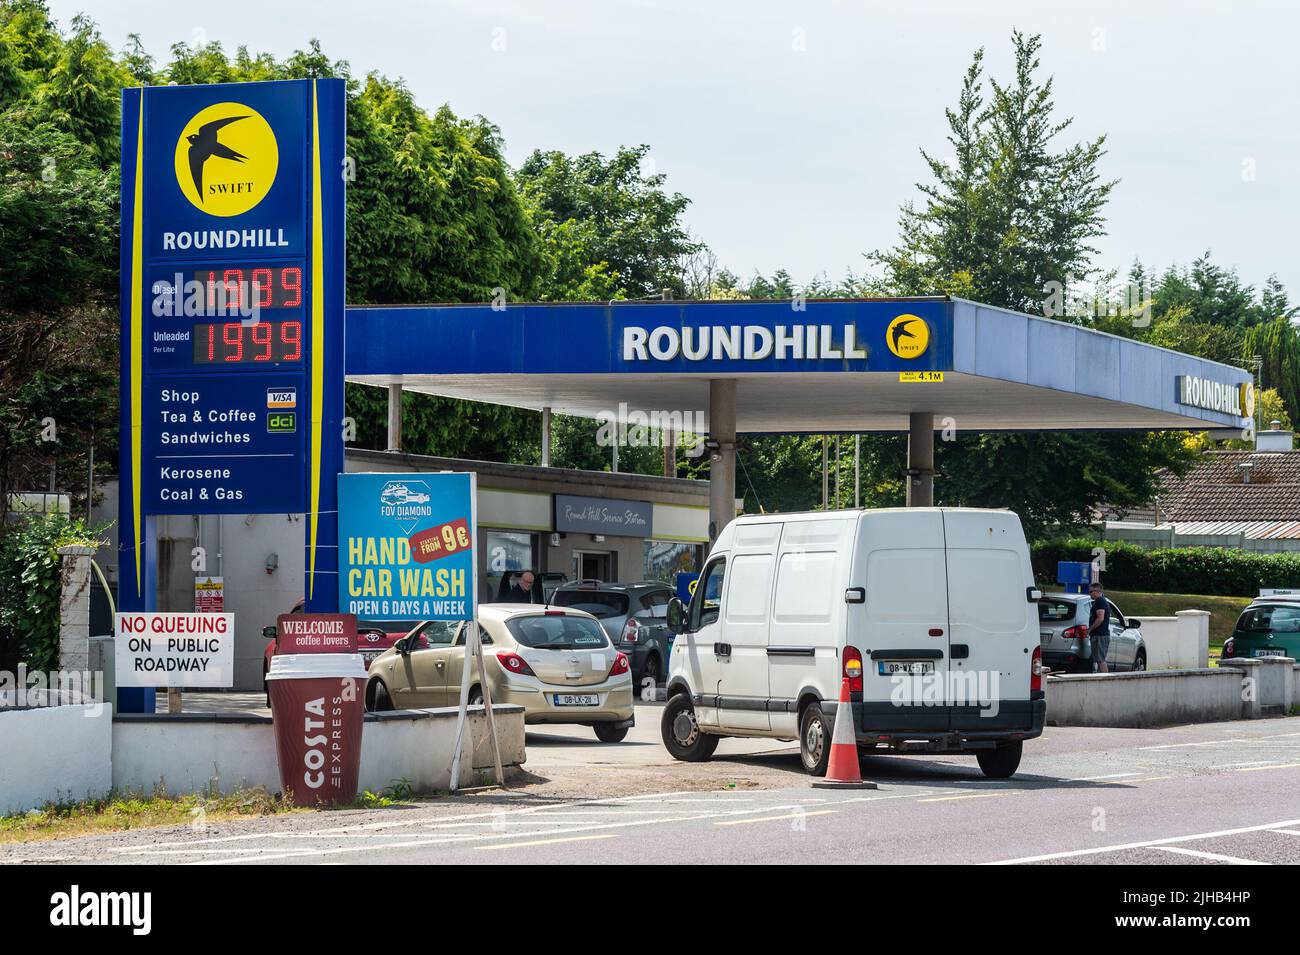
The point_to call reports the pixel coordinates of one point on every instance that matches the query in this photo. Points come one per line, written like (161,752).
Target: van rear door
(902,627)
(993,628)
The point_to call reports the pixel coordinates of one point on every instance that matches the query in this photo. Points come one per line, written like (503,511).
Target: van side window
(708,595)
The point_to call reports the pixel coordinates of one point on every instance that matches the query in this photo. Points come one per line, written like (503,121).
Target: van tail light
(1075,633)
(629,630)
(1036,670)
(620,664)
(853,668)
(514,663)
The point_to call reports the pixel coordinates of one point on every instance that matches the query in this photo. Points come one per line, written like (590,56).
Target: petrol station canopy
(817,366)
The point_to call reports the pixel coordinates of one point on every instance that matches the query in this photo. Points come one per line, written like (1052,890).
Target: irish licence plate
(577,699)
(1270,652)
(906,667)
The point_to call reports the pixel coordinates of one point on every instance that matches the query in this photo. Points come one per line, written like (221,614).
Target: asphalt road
(1223,793)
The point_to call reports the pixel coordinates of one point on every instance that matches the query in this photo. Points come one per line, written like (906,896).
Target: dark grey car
(635,616)
(1063,635)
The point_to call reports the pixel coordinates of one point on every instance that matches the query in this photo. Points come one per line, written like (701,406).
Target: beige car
(557,663)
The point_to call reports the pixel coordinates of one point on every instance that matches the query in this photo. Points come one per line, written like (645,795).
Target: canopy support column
(920,459)
(546,437)
(722,454)
(395,417)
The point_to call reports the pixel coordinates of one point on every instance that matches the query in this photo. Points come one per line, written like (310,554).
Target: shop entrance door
(593,565)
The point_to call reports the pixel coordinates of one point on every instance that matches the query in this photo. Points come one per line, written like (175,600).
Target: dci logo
(908,336)
(226,159)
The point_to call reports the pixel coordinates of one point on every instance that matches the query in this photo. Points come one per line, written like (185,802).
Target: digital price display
(233,287)
(234,343)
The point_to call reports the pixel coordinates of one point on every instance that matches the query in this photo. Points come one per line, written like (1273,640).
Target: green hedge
(31,587)
(1174,570)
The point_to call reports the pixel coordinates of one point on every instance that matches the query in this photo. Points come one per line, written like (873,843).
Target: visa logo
(282,398)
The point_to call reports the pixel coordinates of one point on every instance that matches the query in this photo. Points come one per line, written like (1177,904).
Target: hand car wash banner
(406,546)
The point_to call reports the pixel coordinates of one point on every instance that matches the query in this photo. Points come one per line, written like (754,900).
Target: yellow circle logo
(226,159)
(1247,399)
(908,336)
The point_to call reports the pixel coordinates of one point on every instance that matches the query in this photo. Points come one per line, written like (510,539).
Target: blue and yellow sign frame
(232,311)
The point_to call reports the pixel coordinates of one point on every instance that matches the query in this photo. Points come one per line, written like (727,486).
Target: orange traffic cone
(843,772)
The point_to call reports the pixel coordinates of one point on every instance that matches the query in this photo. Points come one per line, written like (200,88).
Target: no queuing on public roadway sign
(232,263)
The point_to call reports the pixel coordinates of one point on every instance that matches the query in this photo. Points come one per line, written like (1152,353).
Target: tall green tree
(631,227)
(1011,212)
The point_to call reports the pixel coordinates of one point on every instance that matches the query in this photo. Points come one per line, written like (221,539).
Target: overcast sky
(794,128)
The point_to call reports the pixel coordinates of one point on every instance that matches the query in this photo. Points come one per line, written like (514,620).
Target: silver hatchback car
(1063,634)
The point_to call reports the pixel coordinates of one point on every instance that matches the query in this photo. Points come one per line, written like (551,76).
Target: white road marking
(970,796)
(548,842)
(1208,742)
(1255,769)
(1090,779)
(1214,856)
(1146,844)
(792,815)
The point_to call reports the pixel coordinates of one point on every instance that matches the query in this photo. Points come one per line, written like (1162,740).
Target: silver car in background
(1063,635)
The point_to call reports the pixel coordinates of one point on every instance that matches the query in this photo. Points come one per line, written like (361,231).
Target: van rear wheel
(814,740)
(682,735)
(1002,762)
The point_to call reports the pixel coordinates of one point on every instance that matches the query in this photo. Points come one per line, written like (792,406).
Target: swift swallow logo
(226,159)
(908,336)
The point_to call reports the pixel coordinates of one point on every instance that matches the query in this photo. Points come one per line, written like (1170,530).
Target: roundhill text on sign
(174,649)
(598,515)
(406,546)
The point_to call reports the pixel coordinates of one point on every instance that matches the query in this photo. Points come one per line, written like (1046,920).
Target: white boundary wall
(54,754)
(75,752)
(224,753)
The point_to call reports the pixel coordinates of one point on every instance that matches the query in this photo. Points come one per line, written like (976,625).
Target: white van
(930,613)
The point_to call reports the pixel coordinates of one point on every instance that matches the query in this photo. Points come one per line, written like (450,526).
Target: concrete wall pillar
(722,454)
(395,417)
(1194,628)
(74,608)
(920,459)
(546,437)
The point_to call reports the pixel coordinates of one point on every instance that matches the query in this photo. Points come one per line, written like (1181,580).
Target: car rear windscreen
(1275,619)
(1054,611)
(557,632)
(599,603)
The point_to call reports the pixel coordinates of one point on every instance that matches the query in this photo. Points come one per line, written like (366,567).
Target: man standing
(1099,627)
(521,591)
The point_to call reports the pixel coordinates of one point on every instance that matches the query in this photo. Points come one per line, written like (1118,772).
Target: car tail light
(1229,649)
(556,613)
(620,664)
(1075,633)
(629,630)
(514,663)
(1036,670)
(853,668)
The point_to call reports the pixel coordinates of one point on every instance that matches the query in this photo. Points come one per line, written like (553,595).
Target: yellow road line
(793,815)
(547,842)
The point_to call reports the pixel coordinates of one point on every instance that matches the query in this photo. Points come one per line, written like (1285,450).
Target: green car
(1269,627)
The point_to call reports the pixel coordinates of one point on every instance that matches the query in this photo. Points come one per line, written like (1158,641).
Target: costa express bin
(317,705)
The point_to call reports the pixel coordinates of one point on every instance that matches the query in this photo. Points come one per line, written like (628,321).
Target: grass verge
(121,812)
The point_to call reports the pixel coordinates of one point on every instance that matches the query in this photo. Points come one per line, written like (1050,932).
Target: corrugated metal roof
(1252,530)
